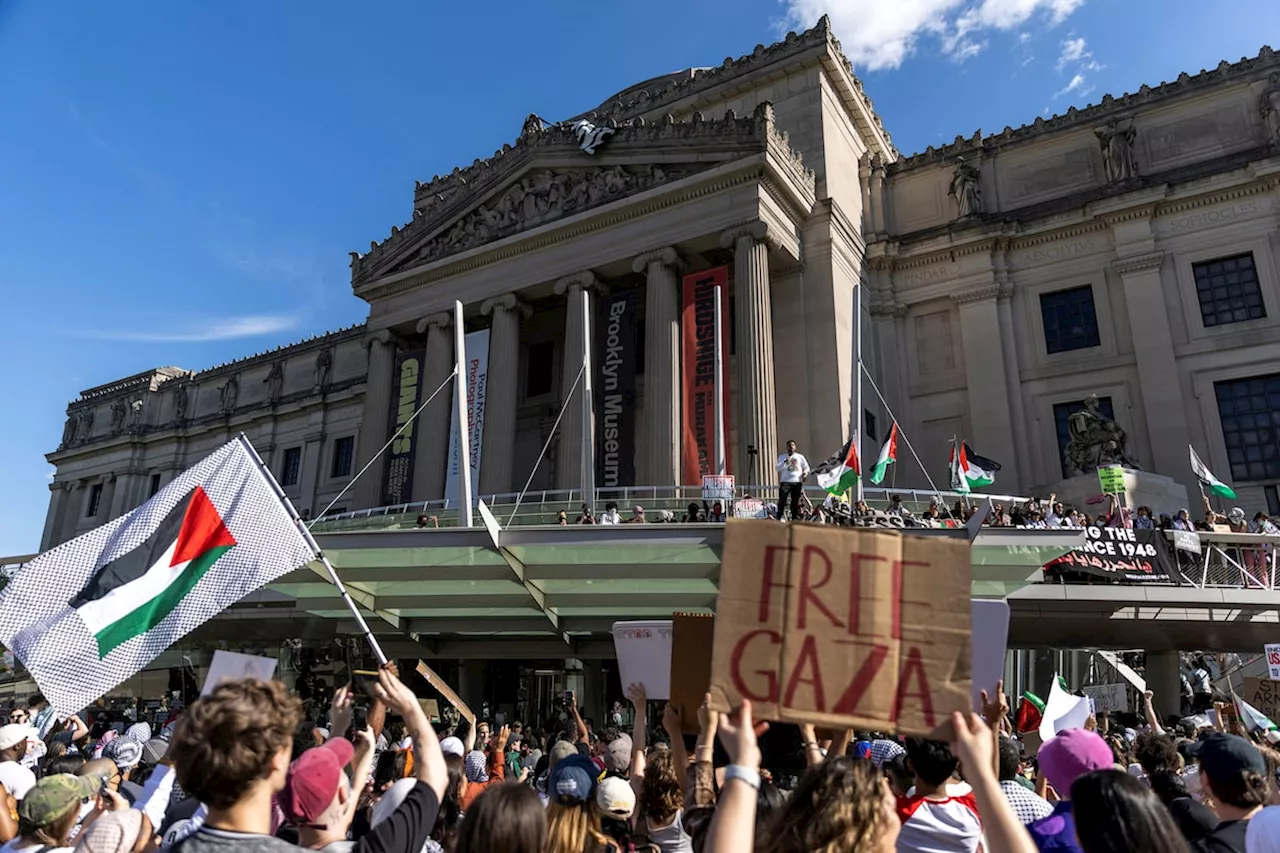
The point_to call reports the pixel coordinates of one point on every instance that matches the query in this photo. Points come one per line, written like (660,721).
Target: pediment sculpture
(1270,109)
(1095,440)
(964,187)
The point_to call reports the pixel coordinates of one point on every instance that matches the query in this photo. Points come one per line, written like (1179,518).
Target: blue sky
(180,183)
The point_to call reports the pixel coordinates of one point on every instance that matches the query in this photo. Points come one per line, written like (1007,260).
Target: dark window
(1250,414)
(540,366)
(292,466)
(1273,500)
(155,485)
(343,450)
(1069,319)
(1063,411)
(869,424)
(1228,290)
(95,501)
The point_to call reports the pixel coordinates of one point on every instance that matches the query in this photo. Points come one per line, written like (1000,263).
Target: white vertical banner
(475,373)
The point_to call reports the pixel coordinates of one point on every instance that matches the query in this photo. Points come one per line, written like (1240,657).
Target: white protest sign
(227,666)
(990,620)
(1108,697)
(644,655)
(749,508)
(1185,540)
(1063,711)
(1272,652)
(717,487)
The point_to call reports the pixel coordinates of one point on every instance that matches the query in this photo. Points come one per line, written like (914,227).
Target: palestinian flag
(90,613)
(841,471)
(1206,478)
(888,456)
(979,471)
(956,467)
(1253,719)
(1030,713)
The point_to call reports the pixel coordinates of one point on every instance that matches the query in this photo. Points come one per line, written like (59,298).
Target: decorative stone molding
(1269,107)
(1127,266)
(507,302)
(380,336)
(443,320)
(757,230)
(586,280)
(666,256)
(986,293)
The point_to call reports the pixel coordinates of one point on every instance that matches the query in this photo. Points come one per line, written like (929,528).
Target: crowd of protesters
(241,769)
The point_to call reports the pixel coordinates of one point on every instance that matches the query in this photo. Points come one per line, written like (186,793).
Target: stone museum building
(1127,250)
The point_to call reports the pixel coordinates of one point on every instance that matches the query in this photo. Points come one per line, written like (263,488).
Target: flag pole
(588,402)
(464,428)
(718,389)
(311,541)
(857,383)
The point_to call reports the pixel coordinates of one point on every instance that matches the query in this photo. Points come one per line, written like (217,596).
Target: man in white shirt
(793,468)
(15,778)
(611,515)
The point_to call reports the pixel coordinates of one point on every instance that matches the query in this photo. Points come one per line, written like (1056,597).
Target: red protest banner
(843,627)
(697,384)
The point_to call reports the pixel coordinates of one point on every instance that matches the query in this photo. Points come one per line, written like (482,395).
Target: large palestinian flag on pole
(92,612)
(888,456)
(840,472)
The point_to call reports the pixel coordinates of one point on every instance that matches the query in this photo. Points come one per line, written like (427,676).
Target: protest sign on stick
(445,690)
(227,666)
(644,655)
(691,637)
(843,627)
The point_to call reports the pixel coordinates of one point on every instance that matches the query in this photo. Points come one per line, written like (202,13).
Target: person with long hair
(1115,813)
(1158,755)
(509,818)
(573,824)
(660,803)
(840,805)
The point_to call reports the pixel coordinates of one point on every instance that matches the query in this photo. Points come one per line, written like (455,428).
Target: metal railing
(1231,560)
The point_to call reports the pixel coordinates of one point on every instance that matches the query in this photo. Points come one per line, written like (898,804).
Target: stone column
(1013,381)
(753,320)
(106,504)
(1163,672)
(988,384)
(60,499)
(661,366)
(373,427)
(1162,402)
(312,455)
(430,461)
(122,498)
(503,388)
(569,445)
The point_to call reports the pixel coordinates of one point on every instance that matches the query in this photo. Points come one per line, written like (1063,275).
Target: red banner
(698,357)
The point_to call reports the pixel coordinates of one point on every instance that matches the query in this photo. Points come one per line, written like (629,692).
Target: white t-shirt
(792,468)
(949,825)
(16,779)
(610,517)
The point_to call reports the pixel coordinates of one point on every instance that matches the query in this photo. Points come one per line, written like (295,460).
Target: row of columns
(659,457)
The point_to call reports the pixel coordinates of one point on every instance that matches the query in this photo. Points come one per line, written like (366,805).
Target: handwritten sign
(1272,653)
(843,627)
(644,655)
(1263,694)
(1108,697)
(1111,479)
(227,666)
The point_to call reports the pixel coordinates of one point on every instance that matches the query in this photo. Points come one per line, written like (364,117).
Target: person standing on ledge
(793,468)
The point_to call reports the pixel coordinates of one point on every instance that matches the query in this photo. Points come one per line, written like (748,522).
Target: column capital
(381,336)
(1150,261)
(443,320)
(985,293)
(757,230)
(666,256)
(585,279)
(507,302)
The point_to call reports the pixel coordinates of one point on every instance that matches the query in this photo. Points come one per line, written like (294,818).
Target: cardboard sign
(1263,694)
(691,637)
(717,487)
(1108,697)
(227,666)
(446,691)
(644,656)
(1272,653)
(843,627)
(990,642)
(431,708)
(1111,479)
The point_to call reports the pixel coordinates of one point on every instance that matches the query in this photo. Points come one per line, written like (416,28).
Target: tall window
(343,450)
(1070,321)
(155,485)
(1063,411)
(1228,290)
(95,501)
(1250,414)
(292,466)
(539,369)
(869,424)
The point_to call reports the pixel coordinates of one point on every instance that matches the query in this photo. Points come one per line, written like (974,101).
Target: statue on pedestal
(1095,440)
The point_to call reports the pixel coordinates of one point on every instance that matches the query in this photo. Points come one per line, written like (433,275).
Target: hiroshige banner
(616,356)
(476,375)
(698,360)
(1119,553)
(397,482)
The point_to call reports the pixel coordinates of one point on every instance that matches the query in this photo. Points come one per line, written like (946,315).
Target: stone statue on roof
(1117,151)
(1095,440)
(964,186)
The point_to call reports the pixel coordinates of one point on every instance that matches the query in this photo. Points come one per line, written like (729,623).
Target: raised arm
(1152,719)
(701,791)
(428,761)
(640,702)
(584,736)
(733,829)
(994,711)
(679,755)
(973,746)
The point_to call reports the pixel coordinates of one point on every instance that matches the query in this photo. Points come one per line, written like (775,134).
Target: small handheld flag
(1206,478)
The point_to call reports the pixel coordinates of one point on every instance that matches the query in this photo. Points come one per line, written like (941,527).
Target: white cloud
(1072,51)
(213,329)
(1075,87)
(1024,38)
(879,34)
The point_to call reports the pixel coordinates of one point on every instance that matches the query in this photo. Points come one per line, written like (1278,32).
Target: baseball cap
(616,798)
(124,752)
(54,797)
(1273,737)
(617,756)
(572,781)
(1072,753)
(313,780)
(112,832)
(1223,756)
(14,734)
(563,749)
(453,746)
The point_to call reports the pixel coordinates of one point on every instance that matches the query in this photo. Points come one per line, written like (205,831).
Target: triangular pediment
(548,175)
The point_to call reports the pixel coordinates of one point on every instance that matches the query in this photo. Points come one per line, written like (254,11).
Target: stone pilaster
(498,457)
(59,501)
(430,460)
(312,455)
(753,319)
(569,446)
(988,384)
(661,453)
(1013,377)
(373,429)
(1162,401)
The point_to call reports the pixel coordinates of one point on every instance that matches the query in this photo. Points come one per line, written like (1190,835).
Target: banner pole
(464,428)
(588,402)
(718,389)
(857,384)
(311,541)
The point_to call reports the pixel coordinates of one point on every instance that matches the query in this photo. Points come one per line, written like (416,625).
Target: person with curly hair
(840,805)
(661,802)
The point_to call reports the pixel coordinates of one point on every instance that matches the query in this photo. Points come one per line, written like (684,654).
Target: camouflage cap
(54,797)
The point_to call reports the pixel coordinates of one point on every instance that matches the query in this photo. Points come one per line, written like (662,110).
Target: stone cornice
(1150,261)
(1109,106)
(986,293)
(506,302)
(667,256)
